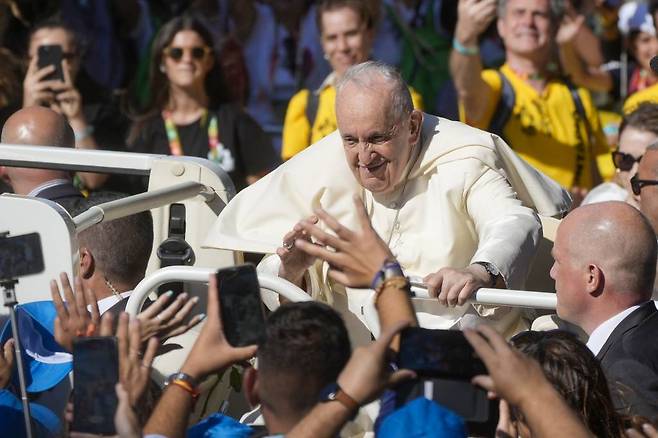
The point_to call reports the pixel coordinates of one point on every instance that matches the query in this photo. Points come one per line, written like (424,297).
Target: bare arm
(466,69)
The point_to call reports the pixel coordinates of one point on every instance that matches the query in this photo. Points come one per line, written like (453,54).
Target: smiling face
(377,147)
(187,70)
(345,39)
(644,47)
(526,28)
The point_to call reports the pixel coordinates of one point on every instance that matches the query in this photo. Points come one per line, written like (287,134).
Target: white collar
(329,81)
(106,303)
(601,334)
(48,184)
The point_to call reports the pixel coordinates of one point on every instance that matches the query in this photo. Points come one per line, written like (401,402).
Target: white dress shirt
(106,303)
(601,334)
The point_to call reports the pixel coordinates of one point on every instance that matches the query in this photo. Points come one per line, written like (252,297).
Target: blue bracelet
(463,50)
(381,274)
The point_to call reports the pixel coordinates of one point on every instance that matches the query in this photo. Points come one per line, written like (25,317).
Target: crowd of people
(372,144)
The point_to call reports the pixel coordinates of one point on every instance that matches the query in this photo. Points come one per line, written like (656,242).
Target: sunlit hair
(369,74)
(642,118)
(556,9)
(575,373)
(363,8)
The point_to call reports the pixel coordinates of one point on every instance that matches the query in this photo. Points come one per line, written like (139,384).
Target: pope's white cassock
(466,197)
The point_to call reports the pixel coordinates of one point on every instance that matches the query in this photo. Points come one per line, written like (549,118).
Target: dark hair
(306,346)
(121,247)
(361,7)
(54,23)
(644,118)
(576,374)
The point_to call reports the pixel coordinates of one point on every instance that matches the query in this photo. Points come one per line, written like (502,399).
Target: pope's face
(377,148)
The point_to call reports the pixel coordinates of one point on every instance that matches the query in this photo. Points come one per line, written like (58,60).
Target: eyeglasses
(637,184)
(176,53)
(624,161)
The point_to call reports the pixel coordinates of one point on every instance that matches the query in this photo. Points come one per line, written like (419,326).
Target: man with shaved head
(40,126)
(605,265)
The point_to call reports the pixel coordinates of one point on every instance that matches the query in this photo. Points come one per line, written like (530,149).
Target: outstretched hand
(355,257)
(165,320)
(73,319)
(512,375)
(294,261)
(211,352)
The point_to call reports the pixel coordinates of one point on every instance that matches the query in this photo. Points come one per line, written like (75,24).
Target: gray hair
(365,75)
(556,9)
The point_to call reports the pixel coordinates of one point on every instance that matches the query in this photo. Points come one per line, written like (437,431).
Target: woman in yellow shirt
(346,33)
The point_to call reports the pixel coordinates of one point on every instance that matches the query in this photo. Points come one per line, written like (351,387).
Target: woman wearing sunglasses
(189,113)
(637,131)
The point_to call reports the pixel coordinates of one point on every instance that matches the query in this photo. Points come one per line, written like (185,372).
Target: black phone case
(51,55)
(94,395)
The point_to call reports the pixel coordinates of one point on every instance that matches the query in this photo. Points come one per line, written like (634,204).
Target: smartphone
(95,374)
(51,55)
(20,255)
(242,311)
(438,353)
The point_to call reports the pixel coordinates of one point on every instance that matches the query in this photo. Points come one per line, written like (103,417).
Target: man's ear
(87,263)
(415,126)
(250,386)
(595,281)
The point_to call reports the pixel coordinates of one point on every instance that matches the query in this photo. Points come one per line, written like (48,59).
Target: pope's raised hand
(294,261)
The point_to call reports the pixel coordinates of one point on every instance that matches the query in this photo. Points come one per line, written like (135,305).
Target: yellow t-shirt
(649,94)
(297,132)
(543,128)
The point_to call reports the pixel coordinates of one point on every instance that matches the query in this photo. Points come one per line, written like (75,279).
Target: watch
(333,392)
(491,270)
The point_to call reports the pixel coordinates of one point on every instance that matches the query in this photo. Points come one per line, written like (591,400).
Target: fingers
(434,283)
(80,299)
(361,213)
(183,328)
(91,299)
(134,336)
(8,351)
(149,353)
(334,258)
(174,307)
(156,307)
(322,236)
(106,324)
(62,312)
(68,294)
(341,231)
(480,345)
(400,376)
(122,337)
(496,341)
(244,353)
(184,312)
(213,307)
(484,382)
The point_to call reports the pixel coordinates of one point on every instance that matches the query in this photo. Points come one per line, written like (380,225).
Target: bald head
(619,239)
(40,126)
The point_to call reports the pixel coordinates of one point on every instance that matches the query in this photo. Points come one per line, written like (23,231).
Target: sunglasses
(637,184)
(624,161)
(176,53)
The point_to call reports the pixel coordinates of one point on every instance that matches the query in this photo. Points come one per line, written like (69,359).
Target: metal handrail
(200,275)
(500,297)
(141,202)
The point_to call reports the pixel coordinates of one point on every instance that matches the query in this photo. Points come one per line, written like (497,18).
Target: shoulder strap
(312,104)
(504,107)
(587,144)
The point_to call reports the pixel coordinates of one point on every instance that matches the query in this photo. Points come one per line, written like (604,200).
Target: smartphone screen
(438,353)
(242,312)
(95,374)
(51,55)
(20,255)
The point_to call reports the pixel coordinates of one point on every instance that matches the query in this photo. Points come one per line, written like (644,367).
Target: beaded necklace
(175,146)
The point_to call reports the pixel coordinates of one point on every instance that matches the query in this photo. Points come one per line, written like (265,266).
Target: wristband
(85,133)
(390,269)
(464,50)
(186,383)
(400,283)
(333,392)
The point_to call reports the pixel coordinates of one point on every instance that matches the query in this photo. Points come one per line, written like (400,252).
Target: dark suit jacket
(630,360)
(65,195)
